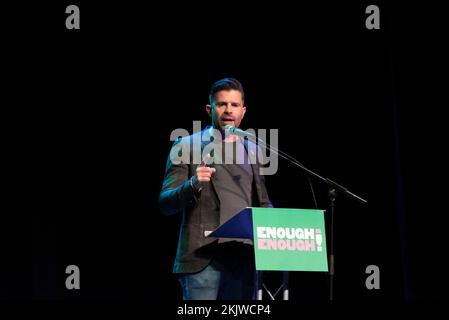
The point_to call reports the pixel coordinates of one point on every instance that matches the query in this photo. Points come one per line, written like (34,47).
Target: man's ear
(209,110)
(244,111)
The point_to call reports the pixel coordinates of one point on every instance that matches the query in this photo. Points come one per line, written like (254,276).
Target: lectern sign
(289,239)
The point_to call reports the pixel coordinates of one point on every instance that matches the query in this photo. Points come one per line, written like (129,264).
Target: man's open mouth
(227,120)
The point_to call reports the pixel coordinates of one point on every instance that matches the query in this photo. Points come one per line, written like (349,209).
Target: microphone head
(228,129)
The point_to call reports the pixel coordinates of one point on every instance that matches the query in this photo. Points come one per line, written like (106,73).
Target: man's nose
(228,108)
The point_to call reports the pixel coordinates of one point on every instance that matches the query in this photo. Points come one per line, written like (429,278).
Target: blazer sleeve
(176,193)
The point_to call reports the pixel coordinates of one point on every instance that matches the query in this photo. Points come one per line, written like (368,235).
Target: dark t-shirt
(233,181)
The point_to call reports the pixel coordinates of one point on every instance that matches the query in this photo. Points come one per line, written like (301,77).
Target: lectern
(284,240)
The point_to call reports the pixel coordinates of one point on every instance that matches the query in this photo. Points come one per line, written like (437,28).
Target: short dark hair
(226,84)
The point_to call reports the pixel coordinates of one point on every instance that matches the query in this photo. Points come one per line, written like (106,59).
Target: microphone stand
(333,189)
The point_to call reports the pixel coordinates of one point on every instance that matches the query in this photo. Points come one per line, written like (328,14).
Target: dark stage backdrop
(366,108)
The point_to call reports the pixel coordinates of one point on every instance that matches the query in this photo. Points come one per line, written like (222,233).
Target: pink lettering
(261,243)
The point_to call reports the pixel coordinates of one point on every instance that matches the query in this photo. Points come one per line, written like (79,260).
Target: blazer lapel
(255,168)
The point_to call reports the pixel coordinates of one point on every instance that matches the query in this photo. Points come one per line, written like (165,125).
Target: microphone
(238,132)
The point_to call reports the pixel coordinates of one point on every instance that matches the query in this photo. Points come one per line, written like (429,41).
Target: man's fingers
(204,178)
(203,172)
(205,169)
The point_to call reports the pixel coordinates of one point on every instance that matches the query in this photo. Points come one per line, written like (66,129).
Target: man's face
(227,109)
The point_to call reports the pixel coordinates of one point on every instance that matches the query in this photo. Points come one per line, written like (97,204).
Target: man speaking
(210,193)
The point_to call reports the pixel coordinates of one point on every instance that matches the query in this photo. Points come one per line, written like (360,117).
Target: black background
(366,108)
